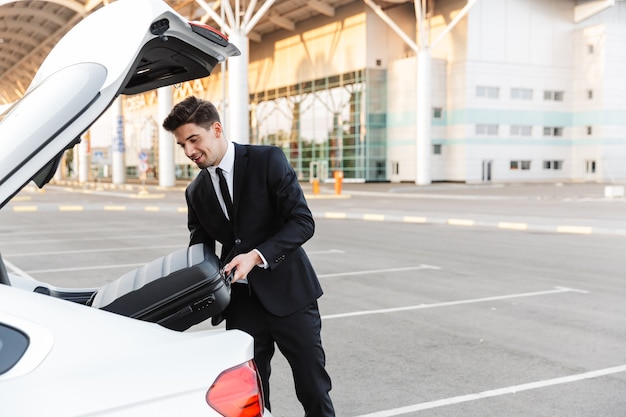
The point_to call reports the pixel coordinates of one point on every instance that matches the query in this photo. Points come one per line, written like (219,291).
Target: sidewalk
(570,208)
(133,185)
(487,190)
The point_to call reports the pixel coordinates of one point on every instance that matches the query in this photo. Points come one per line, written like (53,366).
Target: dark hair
(191,110)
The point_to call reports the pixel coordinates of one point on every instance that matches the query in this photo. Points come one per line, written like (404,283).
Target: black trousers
(298,338)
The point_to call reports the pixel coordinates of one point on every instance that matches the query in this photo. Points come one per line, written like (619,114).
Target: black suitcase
(176,291)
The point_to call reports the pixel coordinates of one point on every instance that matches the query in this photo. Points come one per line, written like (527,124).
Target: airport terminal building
(509,90)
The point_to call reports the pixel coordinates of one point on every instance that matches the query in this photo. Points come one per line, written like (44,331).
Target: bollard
(338,181)
(316,186)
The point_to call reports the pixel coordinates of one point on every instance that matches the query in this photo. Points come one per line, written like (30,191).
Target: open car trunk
(127,47)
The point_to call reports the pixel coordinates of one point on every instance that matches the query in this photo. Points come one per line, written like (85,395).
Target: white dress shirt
(227,165)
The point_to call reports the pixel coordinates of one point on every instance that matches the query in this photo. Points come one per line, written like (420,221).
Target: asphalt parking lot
(445,300)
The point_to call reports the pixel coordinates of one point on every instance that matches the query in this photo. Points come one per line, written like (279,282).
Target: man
(275,289)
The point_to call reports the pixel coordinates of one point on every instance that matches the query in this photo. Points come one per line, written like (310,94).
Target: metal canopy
(30,28)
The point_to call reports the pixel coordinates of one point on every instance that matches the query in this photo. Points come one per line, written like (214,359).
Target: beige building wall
(319,48)
(506,44)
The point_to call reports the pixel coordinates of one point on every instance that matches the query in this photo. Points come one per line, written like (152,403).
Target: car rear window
(13,345)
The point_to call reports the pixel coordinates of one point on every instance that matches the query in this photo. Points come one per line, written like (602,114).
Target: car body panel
(81,353)
(57,101)
(72,359)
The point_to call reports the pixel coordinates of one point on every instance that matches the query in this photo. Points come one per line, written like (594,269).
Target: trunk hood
(127,47)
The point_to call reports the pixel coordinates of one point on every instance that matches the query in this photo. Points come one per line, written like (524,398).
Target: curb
(337,215)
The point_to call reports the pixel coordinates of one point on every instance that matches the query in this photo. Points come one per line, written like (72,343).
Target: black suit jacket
(271,215)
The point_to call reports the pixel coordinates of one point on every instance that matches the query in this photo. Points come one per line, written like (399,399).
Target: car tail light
(237,392)
(209,33)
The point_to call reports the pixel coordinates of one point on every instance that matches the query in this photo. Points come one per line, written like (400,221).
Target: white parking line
(557,290)
(378,271)
(85,268)
(93,267)
(325,252)
(497,392)
(73,252)
(140,237)
(14,269)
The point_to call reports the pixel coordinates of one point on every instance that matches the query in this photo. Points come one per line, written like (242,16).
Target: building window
(521,93)
(323,120)
(487,92)
(590,166)
(589,130)
(395,168)
(552,131)
(437,113)
(590,49)
(590,94)
(553,165)
(437,149)
(516,165)
(521,130)
(553,95)
(491,130)
(558,95)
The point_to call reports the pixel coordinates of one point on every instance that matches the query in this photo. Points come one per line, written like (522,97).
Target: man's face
(205,147)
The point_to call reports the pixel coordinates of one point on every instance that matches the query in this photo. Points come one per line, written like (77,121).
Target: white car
(59,356)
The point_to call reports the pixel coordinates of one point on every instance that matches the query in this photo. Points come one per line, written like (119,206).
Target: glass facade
(336,123)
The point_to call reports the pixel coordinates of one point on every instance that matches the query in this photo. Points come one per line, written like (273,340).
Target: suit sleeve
(196,232)
(295,224)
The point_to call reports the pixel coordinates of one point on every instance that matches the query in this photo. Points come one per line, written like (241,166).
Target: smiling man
(249,199)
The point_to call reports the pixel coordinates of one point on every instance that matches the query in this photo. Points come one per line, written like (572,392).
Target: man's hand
(243,264)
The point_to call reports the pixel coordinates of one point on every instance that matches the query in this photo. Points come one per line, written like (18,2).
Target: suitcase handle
(228,279)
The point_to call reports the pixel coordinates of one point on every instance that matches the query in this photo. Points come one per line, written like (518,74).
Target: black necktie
(225,193)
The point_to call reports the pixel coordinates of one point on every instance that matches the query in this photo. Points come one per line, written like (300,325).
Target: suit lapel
(241,162)
(211,194)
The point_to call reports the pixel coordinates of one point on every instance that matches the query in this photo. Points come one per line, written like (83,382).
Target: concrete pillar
(83,159)
(167,174)
(238,118)
(118,149)
(58,174)
(295,138)
(423,125)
